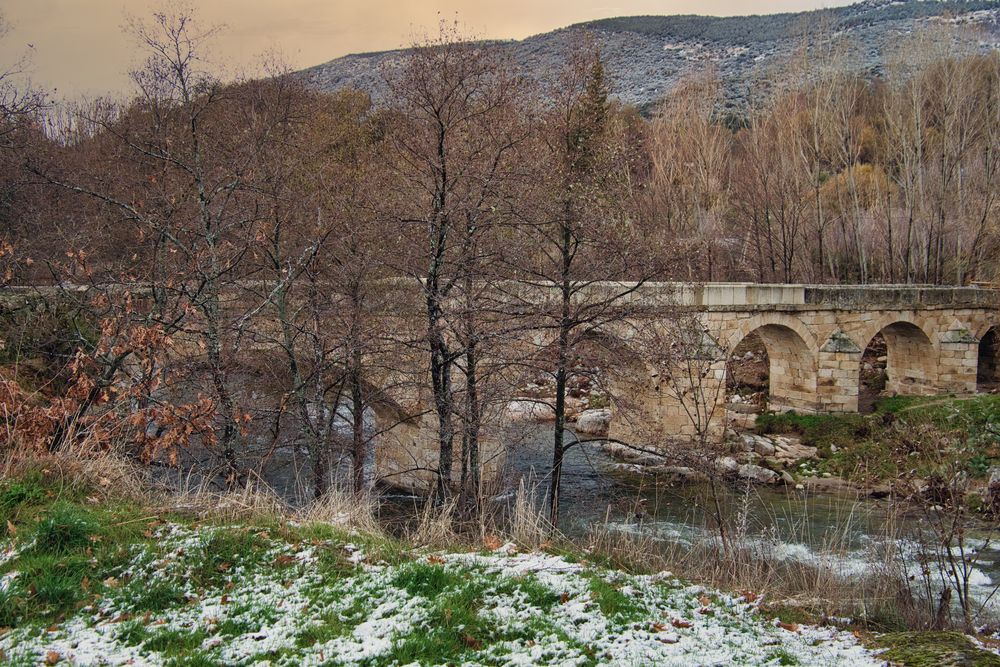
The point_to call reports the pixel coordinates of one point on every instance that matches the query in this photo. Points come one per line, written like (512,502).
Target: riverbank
(92,573)
(904,445)
(907,446)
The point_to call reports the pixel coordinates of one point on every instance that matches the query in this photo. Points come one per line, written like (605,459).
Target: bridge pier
(839,374)
(958,362)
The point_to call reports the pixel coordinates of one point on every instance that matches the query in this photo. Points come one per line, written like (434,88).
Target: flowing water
(832,531)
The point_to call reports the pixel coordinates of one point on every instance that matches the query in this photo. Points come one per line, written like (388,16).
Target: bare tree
(584,227)
(452,133)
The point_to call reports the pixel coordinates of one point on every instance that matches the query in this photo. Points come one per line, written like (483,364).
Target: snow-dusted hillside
(646,55)
(271,602)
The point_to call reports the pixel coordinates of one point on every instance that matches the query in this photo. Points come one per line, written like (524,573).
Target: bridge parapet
(756,297)
(899,297)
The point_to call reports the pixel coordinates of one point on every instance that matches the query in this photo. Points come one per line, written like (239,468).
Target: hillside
(646,55)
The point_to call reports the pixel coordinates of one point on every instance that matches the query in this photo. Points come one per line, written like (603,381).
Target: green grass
(612,602)
(783,657)
(332,625)
(64,530)
(175,642)
(935,649)
(820,431)
(16,494)
(68,549)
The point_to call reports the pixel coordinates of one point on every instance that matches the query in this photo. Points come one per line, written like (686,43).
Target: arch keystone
(958,335)
(840,342)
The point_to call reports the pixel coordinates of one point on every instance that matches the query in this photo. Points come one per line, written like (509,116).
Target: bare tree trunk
(562,371)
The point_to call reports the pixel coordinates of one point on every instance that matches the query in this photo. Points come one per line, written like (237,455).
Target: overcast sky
(79,47)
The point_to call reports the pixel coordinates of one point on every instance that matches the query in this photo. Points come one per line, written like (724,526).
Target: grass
(613,603)
(935,649)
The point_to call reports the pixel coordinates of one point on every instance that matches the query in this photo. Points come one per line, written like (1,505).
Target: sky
(79,48)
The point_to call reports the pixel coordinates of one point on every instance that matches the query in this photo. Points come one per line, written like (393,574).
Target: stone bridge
(939,340)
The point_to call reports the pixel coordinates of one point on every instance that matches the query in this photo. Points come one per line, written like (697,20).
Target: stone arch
(983,326)
(749,325)
(988,359)
(911,364)
(792,355)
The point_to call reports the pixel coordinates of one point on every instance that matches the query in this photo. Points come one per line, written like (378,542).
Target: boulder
(529,410)
(992,495)
(680,473)
(594,422)
(763,446)
(727,465)
(787,450)
(623,453)
(830,485)
(757,474)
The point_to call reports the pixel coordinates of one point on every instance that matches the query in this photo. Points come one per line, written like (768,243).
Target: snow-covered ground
(323,601)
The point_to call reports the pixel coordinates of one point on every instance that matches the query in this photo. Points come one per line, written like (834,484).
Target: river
(825,530)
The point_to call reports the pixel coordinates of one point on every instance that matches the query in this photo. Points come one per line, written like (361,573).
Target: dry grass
(527,526)
(341,508)
(100,475)
(254,501)
(880,597)
(436,526)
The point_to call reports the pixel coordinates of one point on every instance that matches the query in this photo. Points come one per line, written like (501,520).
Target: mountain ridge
(645,56)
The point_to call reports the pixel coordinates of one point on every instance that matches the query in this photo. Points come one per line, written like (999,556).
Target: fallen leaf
(704,600)
(111,582)
(750,596)
(564,598)
(224,566)
(52,657)
(435,560)
(492,542)
(472,642)
(11,528)
(284,560)
(791,627)
(667,640)
(678,623)
(658,627)
(85,583)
